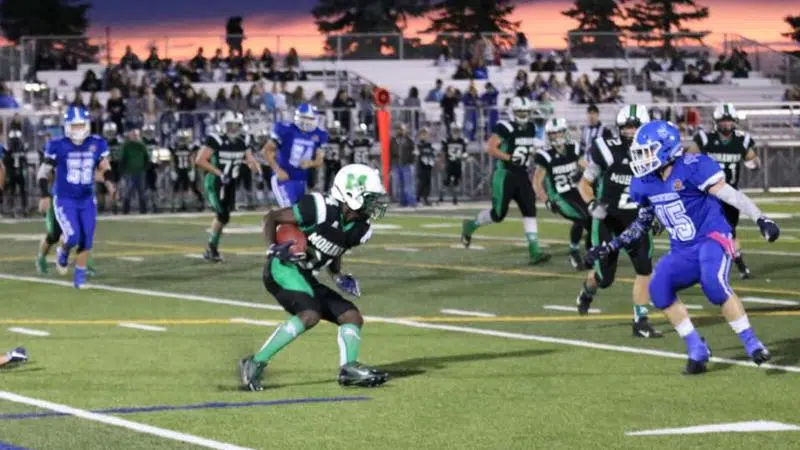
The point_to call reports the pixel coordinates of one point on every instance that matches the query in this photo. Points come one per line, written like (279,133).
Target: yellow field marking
(441,319)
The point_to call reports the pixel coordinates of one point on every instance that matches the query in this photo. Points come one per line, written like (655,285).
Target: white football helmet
(109,130)
(149,131)
(556,130)
(520,109)
(630,118)
(232,123)
(360,188)
(725,117)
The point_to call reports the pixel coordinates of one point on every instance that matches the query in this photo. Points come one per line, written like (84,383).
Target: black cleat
(212,254)
(584,301)
(576,260)
(694,367)
(467,228)
(251,372)
(744,271)
(761,356)
(643,329)
(357,374)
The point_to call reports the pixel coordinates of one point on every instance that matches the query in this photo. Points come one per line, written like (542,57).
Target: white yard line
(571,309)
(194,255)
(29,331)
(117,422)
(137,259)
(462,312)
(139,326)
(440,225)
(401,249)
(690,306)
(471,247)
(770,301)
(263,323)
(414,324)
(735,427)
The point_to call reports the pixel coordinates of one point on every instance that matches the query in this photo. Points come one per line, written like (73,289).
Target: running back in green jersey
(322,220)
(228,153)
(611,159)
(560,168)
(729,152)
(519,141)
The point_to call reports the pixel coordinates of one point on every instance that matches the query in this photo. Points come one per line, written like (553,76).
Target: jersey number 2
(673,217)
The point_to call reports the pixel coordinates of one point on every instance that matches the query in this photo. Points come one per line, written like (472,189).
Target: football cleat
(357,374)
(212,254)
(79,278)
(643,329)
(17,355)
(761,356)
(62,261)
(251,372)
(467,227)
(584,301)
(539,258)
(91,271)
(576,260)
(698,357)
(41,266)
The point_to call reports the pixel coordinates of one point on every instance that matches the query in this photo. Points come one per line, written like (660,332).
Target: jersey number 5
(673,217)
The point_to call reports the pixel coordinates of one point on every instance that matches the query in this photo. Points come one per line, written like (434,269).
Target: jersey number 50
(678,224)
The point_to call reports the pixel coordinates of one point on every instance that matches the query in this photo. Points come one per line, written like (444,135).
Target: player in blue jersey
(75,157)
(2,168)
(291,151)
(684,192)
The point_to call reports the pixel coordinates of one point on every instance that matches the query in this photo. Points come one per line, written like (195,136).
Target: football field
(484,351)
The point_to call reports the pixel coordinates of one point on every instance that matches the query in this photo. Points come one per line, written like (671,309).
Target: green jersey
(518,141)
(321,218)
(729,153)
(115,148)
(610,166)
(228,152)
(560,169)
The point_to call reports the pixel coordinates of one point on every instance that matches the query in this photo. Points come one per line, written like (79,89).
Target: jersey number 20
(678,224)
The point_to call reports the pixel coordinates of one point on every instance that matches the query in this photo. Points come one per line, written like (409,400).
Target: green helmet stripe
(633,111)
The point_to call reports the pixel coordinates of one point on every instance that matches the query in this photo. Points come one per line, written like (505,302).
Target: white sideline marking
(770,301)
(116,421)
(440,225)
(199,256)
(131,258)
(461,312)
(263,323)
(471,247)
(29,331)
(140,326)
(735,427)
(570,308)
(401,249)
(386,226)
(688,306)
(411,323)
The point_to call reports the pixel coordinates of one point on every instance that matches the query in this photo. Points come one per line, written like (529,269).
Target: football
(288,232)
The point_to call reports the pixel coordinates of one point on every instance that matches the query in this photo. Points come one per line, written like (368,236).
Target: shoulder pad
(215,137)
(505,124)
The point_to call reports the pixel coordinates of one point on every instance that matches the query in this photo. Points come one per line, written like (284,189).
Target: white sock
(531,228)
(484,217)
(685,328)
(740,324)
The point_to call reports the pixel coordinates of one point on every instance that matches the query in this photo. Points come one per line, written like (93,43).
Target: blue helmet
(77,125)
(656,144)
(305,117)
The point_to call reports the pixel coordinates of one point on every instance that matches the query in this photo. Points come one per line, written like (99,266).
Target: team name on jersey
(525,141)
(325,246)
(665,197)
(567,168)
(230,155)
(621,179)
(726,157)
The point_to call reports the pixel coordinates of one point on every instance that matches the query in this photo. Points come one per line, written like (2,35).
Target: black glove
(657,227)
(282,252)
(598,253)
(769,229)
(552,206)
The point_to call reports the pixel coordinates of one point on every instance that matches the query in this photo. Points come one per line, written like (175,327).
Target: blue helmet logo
(305,117)
(76,124)
(655,145)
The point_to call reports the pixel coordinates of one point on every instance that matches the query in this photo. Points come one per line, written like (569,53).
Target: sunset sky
(190,23)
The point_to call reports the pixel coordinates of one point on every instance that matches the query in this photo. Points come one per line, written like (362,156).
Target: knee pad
(661,293)
(224,217)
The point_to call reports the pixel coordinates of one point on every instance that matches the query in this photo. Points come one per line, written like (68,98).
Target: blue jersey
(296,146)
(75,165)
(682,202)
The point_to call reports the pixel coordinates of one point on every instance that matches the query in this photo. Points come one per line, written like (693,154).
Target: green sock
(639,312)
(90,261)
(281,337)
(213,238)
(349,343)
(533,243)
